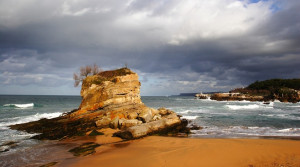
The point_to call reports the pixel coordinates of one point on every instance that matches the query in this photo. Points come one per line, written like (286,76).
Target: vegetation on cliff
(100,77)
(275,84)
(285,90)
(84,72)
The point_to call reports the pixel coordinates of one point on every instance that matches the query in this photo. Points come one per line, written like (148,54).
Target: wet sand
(156,151)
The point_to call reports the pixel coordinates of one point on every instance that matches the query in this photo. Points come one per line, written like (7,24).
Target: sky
(175,46)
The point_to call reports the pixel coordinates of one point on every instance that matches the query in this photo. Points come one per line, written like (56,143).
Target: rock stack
(109,99)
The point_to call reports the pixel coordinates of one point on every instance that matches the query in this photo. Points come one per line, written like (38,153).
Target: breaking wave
(239,131)
(28,105)
(19,120)
(238,107)
(189,117)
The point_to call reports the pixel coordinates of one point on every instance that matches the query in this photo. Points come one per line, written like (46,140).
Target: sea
(217,119)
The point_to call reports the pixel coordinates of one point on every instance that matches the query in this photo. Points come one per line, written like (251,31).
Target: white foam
(192,111)
(208,99)
(19,105)
(238,107)
(29,118)
(247,131)
(244,101)
(183,112)
(286,130)
(238,101)
(189,117)
(253,127)
(295,106)
(285,116)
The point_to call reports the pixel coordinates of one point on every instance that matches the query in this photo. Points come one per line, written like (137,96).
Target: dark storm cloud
(173,44)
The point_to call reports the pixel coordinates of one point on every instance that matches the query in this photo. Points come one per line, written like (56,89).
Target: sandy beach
(154,151)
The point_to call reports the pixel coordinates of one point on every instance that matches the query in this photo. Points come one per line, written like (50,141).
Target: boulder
(195,127)
(172,119)
(164,111)
(132,115)
(154,111)
(156,117)
(129,123)
(150,127)
(114,123)
(145,115)
(103,122)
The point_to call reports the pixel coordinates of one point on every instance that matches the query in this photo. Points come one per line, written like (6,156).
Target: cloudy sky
(174,45)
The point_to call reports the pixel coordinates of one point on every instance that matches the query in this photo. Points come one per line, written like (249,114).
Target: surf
(238,107)
(28,105)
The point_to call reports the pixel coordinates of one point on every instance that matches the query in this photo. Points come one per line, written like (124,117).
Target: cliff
(109,99)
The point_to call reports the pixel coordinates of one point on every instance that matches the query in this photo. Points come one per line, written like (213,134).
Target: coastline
(188,107)
(174,151)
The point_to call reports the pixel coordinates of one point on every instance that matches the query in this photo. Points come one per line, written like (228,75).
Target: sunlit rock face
(110,89)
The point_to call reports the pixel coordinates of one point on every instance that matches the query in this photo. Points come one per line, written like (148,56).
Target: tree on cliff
(84,72)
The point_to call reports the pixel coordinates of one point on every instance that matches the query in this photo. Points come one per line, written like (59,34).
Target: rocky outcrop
(150,127)
(235,97)
(239,94)
(201,96)
(109,99)
(284,90)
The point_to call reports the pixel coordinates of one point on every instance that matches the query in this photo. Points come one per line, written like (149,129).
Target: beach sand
(157,151)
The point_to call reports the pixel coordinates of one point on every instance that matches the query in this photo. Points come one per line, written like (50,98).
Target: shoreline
(249,137)
(180,148)
(153,151)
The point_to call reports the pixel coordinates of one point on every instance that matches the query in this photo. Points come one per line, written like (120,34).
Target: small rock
(172,119)
(195,127)
(132,115)
(145,116)
(114,124)
(84,149)
(156,117)
(104,122)
(10,143)
(121,122)
(154,111)
(49,164)
(129,123)
(4,148)
(164,111)
(95,133)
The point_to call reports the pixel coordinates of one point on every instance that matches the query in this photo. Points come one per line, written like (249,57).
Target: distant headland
(284,90)
(194,94)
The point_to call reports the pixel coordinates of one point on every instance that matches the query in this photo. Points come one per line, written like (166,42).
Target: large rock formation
(109,99)
(110,89)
